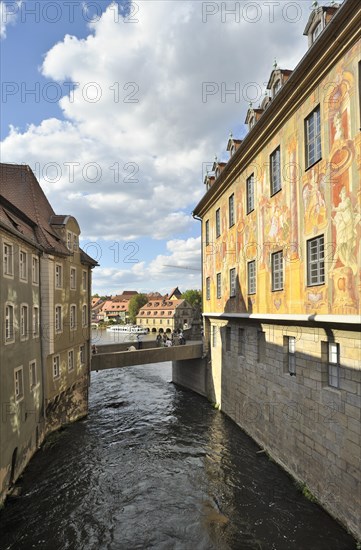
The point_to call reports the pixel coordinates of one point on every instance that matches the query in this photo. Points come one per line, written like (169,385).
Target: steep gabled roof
(21,192)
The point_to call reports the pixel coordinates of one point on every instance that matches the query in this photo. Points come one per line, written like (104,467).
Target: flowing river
(154,466)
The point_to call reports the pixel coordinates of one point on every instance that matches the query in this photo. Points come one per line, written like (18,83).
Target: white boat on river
(128,329)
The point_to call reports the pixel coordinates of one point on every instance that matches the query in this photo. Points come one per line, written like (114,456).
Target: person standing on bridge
(139,341)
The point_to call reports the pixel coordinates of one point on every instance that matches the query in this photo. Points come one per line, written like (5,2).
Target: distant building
(166,315)
(115,311)
(45,284)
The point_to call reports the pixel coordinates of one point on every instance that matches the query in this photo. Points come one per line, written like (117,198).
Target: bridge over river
(115,356)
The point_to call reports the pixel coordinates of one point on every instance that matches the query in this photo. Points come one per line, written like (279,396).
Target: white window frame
(8,260)
(33,380)
(24,322)
(316,261)
(72,317)
(9,323)
(69,240)
(58,318)
(313,146)
(72,278)
(219,285)
(250,194)
(19,384)
(276,87)
(277,270)
(232,282)
(71,360)
(275,171)
(333,364)
(35,269)
(56,367)
(36,321)
(251,277)
(316,31)
(58,276)
(23,265)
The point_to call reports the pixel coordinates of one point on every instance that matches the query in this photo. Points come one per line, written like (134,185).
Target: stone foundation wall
(311,429)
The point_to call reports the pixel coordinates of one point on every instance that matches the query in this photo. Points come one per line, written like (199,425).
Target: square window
(58,319)
(232,282)
(250,193)
(277,270)
(218,223)
(251,277)
(207,232)
(231,210)
(219,285)
(58,276)
(56,367)
(9,323)
(19,383)
(275,171)
(8,259)
(315,261)
(313,137)
(208,288)
(23,265)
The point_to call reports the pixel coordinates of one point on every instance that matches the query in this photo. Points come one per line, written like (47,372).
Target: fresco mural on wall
(323,200)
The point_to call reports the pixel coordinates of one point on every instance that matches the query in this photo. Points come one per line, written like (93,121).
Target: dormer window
(316,31)
(252,122)
(232,151)
(69,241)
(276,87)
(216,173)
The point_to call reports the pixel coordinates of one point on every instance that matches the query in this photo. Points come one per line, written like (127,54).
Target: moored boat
(128,329)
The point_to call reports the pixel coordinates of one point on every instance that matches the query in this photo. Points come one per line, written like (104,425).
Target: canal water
(154,466)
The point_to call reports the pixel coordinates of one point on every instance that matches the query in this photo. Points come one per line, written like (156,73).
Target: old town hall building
(281,227)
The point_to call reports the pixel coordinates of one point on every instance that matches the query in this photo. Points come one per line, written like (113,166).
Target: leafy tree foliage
(194,298)
(135,303)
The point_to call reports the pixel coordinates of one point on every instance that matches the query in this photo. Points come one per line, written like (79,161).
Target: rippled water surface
(154,466)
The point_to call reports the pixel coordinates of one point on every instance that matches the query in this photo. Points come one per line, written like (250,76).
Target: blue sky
(108,103)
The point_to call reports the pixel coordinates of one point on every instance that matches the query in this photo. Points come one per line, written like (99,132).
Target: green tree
(135,303)
(194,298)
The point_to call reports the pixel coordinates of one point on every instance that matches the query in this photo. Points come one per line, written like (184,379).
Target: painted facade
(322,200)
(281,268)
